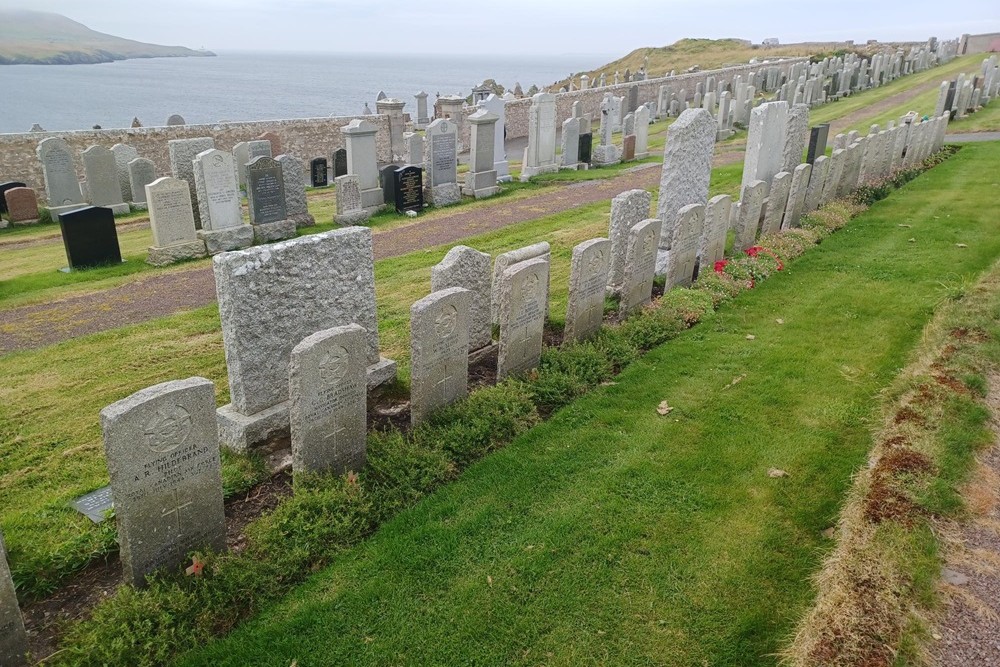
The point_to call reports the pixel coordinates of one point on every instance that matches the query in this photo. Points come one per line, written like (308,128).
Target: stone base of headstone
(17,223)
(480,184)
(303,220)
(176,253)
(240,433)
(444,195)
(475,356)
(503,172)
(352,218)
(722,135)
(118,209)
(139,206)
(528,172)
(56,211)
(229,238)
(4,224)
(372,199)
(605,155)
(274,231)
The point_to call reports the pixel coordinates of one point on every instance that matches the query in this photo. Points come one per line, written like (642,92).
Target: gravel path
(970,633)
(143,299)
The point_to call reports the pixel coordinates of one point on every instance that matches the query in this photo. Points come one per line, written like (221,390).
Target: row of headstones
(112,177)
(966,94)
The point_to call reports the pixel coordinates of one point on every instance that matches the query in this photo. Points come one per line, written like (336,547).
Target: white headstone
(439,344)
(523,301)
(468,268)
(588,278)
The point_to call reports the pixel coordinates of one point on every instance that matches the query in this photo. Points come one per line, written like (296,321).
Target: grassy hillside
(709,54)
(41,38)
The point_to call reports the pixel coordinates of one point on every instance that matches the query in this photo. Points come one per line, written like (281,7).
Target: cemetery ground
(535,553)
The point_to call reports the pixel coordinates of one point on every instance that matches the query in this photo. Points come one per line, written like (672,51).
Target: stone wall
(590,99)
(304,138)
(979,43)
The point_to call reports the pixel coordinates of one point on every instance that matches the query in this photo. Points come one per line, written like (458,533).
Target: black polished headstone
(90,237)
(317,169)
(586,142)
(818,137)
(408,189)
(265,190)
(4,187)
(387,177)
(340,162)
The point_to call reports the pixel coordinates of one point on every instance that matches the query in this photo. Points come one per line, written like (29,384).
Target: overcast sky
(512,26)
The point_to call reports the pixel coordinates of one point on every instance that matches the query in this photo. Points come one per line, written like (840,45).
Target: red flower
(720,266)
(756,250)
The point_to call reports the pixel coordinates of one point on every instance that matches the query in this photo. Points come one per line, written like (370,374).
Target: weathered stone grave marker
(219,203)
(266,201)
(439,344)
(468,268)
(13,638)
(182,155)
(588,279)
(640,265)
(171,218)
(61,184)
(523,301)
(294,181)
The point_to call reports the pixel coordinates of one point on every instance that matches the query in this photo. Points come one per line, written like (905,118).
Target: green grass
(613,535)
(986,119)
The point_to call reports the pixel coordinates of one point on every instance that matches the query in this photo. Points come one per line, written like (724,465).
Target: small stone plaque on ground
(90,237)
(408,189)
(95,505)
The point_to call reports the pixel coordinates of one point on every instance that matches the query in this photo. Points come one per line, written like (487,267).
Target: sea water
(253,86)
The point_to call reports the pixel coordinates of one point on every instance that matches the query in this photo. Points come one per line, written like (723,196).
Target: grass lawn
(613,535)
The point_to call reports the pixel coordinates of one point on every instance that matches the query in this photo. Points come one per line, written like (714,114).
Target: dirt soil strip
(970,632)
(29,327)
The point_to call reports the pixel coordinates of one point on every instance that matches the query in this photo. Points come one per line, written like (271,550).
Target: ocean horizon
(242,85)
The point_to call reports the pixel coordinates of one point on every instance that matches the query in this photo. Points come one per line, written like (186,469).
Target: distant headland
(41,38)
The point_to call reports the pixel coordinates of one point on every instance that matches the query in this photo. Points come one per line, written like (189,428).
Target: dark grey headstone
(95,504)
(4,187)
(633,99)
(90,237)
(586,143)
(949,101)
(265,191)
(817,141)
(340,162)
(387,177)
(408,189)
(318,172)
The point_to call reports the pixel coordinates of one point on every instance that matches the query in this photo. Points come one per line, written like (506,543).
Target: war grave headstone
(318,172)
(765,143)
(777,199)
(13,638)
(102,179)
(386,177)
(359,135)
(713,239)
(523,298)
(219,203)
(123,155)
(340,162)
(797,196)
(628,209)
(817,180)
(4,187)
(496,106)
(294,179)
(818,137)
(748,215)
(22,206)
(481,179)
(588,279)
(408,189)
(273,296)
(89,237)
(834,175)
(540,154)
(470,269)
(328,401)
(141,172)
(171,218)
(162,451)
(640,265)
(505,260)
(266,201)
(441,162)
(182,155)
(682,262)
(349,209)
(687,168)
(439,347)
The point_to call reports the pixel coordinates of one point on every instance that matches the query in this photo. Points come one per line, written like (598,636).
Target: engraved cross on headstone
(178,506)
(441,386)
